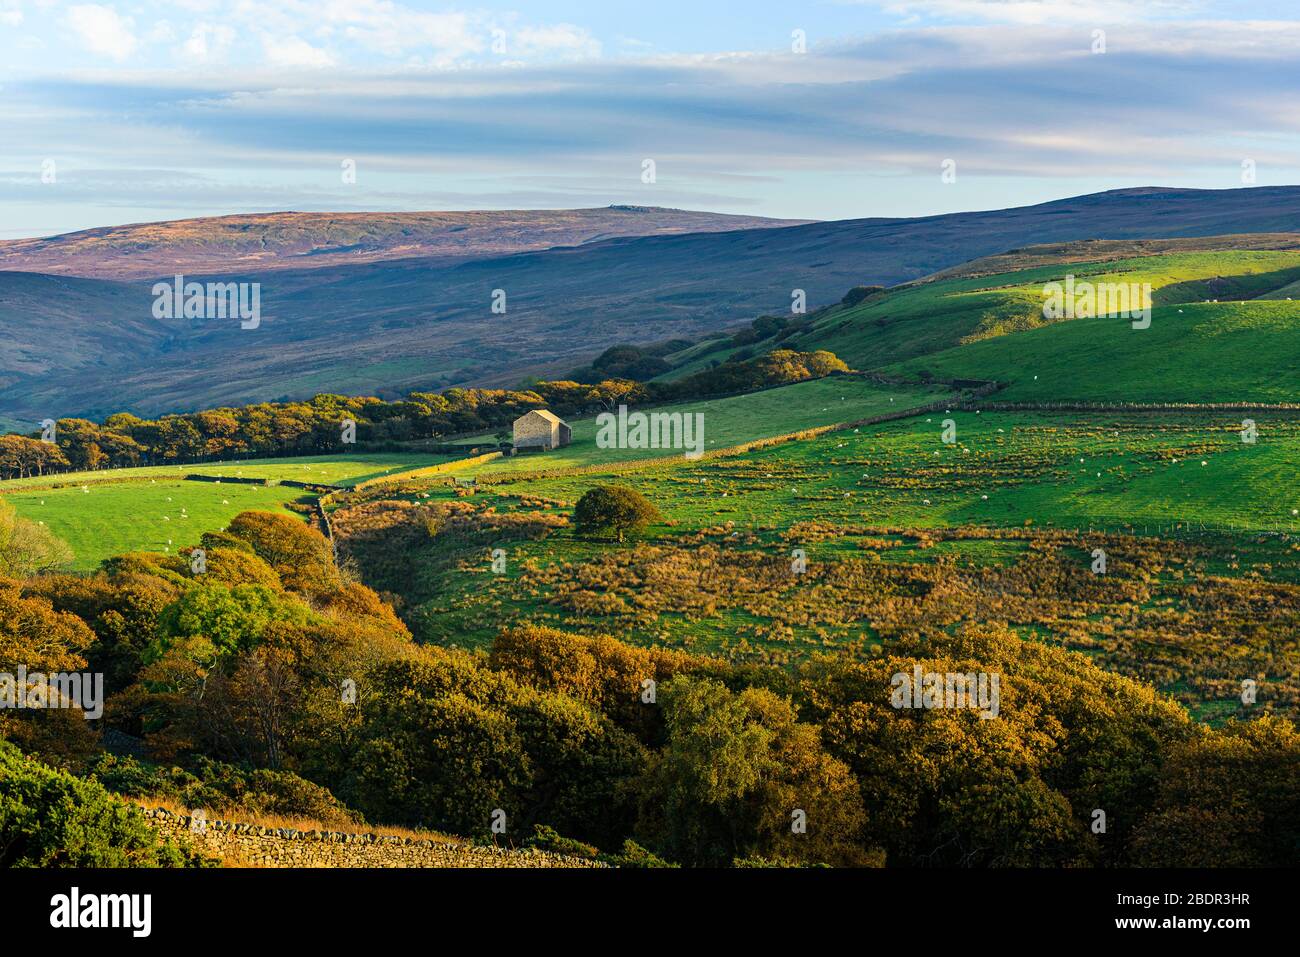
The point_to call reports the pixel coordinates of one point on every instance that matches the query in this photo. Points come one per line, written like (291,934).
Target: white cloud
(392,29)
(1046,12)
(208,42)
(160,32)
(562,39)
(294,53)
(1167,104)
(101,30)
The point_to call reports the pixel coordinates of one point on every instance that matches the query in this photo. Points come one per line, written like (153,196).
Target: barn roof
(548,416)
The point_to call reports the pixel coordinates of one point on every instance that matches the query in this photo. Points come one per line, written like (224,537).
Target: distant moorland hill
(91,347)
(258,241)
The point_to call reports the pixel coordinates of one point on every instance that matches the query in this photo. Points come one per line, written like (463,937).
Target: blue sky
(114,112)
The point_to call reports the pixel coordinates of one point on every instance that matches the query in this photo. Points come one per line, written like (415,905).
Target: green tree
(48,818)
(613,510)
(737,773)
(1227,798)
(232,618)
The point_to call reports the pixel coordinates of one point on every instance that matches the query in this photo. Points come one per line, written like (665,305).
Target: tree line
(315,426)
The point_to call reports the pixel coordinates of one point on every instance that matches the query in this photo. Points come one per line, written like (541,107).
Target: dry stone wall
(257,846)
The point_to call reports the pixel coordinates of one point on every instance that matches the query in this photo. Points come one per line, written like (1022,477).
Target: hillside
(261,241)
(1204,352)
(390,327)
(991,326)
(111,511)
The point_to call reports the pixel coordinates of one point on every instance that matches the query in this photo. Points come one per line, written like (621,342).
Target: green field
(108,519)
(1027,464)
(129,509)
(101,514)
(1206,352)
(325,469)
(931,325)
(901,532)
(733,421)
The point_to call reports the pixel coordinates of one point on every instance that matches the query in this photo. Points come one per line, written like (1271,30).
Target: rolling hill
(1203,353)
(78,346)
(261,241)
(1221,329)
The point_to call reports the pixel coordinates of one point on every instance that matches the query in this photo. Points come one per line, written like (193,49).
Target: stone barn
(540,429)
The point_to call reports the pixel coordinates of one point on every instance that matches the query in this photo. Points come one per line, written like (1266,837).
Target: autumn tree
(1227,798)
(27,547)
(740,777)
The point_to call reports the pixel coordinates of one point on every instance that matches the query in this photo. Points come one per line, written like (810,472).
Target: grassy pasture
(1028,464)
(108,518)
(898,537)
(1203,352)
(924,318)
(733,421)
(342,469)
(101,514)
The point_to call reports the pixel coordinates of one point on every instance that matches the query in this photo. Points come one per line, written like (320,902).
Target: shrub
(633,855)
(858,293)
(50,818)
(547,838)
(26,547)
(613,509)
(297,551)
(225,789)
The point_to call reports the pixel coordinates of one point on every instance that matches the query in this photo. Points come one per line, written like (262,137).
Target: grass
(101,514)
(326,469)
(1207,352)
(107,519)
(733,421)
(106,513)
(1028,464)
(923,319)
(904,532)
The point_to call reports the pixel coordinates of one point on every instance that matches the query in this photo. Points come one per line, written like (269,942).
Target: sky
(126,111)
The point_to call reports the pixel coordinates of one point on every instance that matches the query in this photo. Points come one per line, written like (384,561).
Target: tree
(1227,798)
(49,818)
(301,555)
(26,547)
(613,509)
(858,293)
(740,778)
(21,456)
(232,618)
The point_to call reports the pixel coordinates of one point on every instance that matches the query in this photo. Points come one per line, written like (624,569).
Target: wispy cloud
(1173,102)
(1041,12)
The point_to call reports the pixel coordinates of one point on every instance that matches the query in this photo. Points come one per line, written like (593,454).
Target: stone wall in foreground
(257,846)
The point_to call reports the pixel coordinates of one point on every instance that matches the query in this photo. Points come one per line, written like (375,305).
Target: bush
(634,855)
(613,510)
(547,838)
(744,373)
(226,789)
(50,818)
(302,556)
(734,768)
(858,293)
